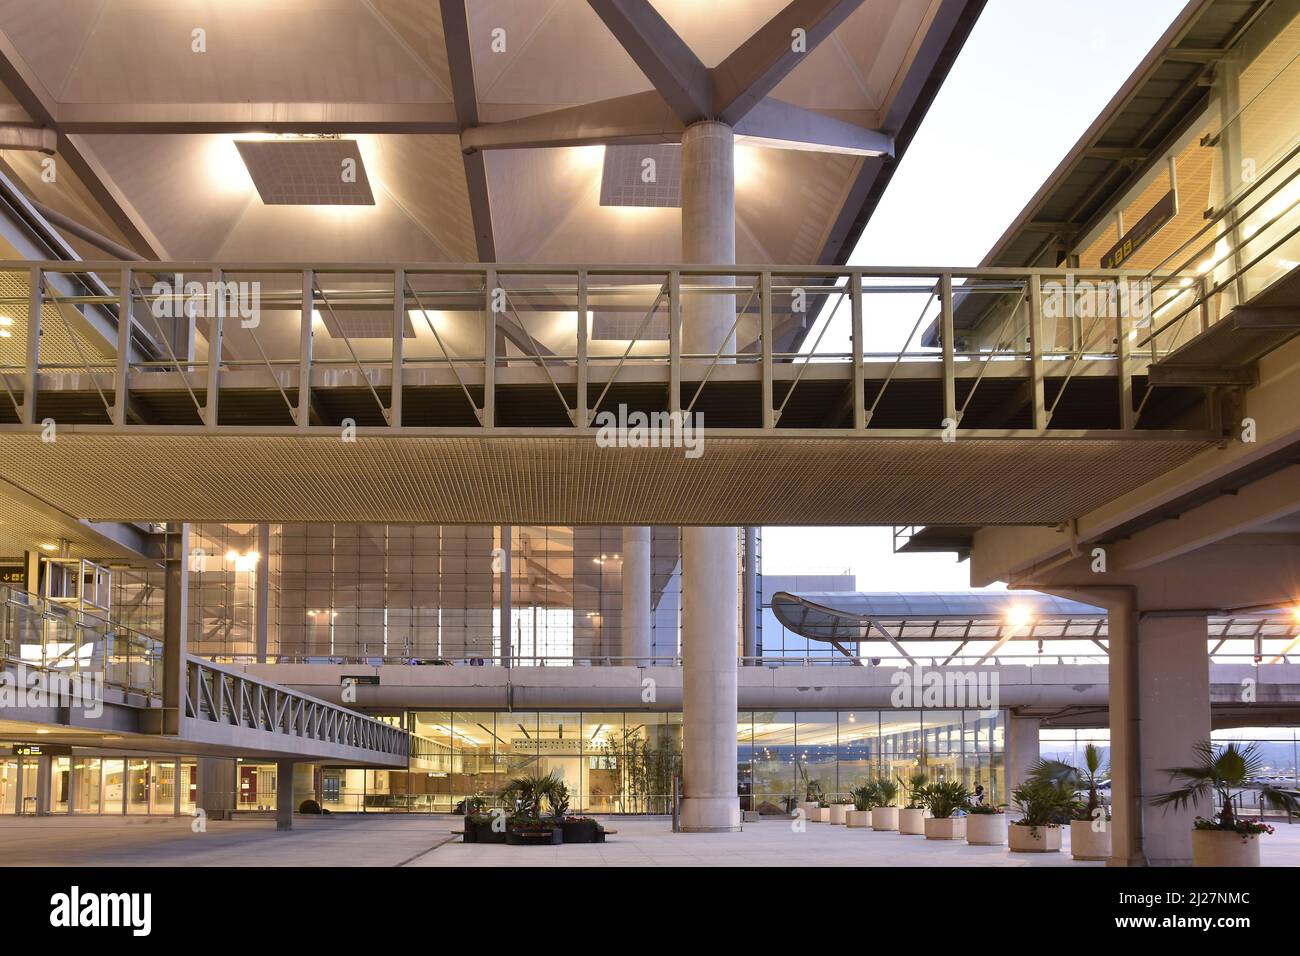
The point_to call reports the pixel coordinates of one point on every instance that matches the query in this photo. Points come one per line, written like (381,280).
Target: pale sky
(1032,77)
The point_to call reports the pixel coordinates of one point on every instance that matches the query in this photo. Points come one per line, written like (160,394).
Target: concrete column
(1022,749)
(262,606)
(44,774)
(708,232)
(175,626)
(749,597)
(505,621)
(1125,790)
(709,555)
(636,594)
(217,779)
(709,701)
(1174,690)
(284,789)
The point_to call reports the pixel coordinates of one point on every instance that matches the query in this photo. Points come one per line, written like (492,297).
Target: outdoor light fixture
(243,562)
(1019,616)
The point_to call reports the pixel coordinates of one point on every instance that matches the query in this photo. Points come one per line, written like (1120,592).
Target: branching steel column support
(709,555)
(175,620)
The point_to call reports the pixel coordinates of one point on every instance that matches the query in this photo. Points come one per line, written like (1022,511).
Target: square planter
(822,815)
(1224,848)
(986,829)
(1087,843)
(911,821)
(480,831)
(858,818)
(582,831)
(884,818)
(809,809)
(945,828)
(838,811)
(553,836)
(1045,839)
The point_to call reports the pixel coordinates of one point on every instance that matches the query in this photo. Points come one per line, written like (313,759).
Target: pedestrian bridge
(89,682)
(485,393)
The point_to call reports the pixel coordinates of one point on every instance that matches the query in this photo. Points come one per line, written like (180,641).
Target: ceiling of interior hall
(187,193)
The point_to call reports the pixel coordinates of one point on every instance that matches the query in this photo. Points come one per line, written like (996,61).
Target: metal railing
(222,696)
(59,638)
(386,330)
(830,658)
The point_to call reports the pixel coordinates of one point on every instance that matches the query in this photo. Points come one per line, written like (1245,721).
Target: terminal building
(396,394)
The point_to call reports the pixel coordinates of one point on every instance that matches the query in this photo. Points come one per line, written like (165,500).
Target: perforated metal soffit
(568,479)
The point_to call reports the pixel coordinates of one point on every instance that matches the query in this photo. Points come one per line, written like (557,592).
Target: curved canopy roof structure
(850,616)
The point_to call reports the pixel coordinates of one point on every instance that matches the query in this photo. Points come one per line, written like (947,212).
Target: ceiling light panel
(307,172)
(623,181)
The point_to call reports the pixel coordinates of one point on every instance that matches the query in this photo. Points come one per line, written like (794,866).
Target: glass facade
(624,761)
(82,784)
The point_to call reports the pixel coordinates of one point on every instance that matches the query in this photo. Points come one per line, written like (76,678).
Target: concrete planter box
(945,828)
(986,829)
(911,821)
(884,818)
(1224,848)
(808,808)
(822,815)
(553,836)
(1046,839)
(858,818)
(1087,843)
(838,812)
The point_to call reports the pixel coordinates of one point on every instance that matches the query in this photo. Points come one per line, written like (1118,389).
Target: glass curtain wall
(624,761)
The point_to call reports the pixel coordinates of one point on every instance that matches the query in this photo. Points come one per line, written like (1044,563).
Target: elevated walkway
(365,393)
(71,679)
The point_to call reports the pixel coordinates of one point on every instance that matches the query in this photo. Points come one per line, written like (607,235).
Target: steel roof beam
(743,79)
(667,62)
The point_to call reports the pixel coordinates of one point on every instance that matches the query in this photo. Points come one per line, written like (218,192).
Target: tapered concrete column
(284,788)
(1022,749)
(1174,690)
(216,779)
(1125,788)
(709,702)
(709,555)
(636,594)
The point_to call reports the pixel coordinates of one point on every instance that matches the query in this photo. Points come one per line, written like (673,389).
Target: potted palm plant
(532,794)
(1090,828)
(812,791)
(840,810)
(1226,839)
(911,819)
(986,825)
(884,815)
(1044,805)
(865,799)
(946,803)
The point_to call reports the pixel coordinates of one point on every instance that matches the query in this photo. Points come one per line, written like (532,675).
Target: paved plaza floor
(343,840)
